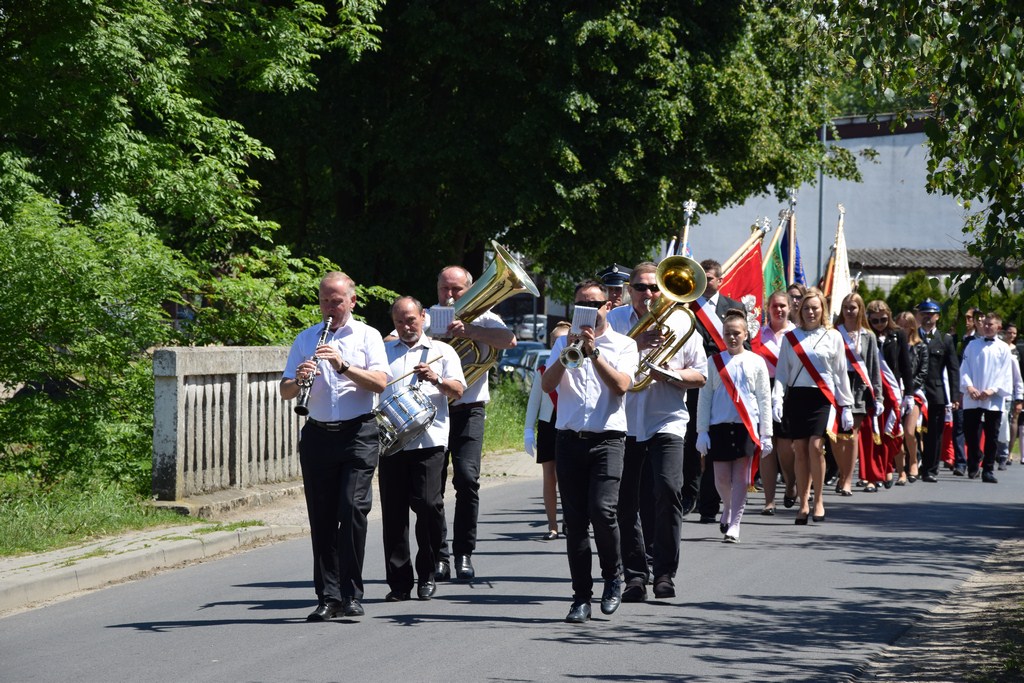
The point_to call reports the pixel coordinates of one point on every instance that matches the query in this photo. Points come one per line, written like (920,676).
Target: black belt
(596,435)
(341,424)
(462,407)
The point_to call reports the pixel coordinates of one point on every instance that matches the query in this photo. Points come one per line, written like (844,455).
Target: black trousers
(976,420)
(411,480)
(692,484)
(465,448)
(930,458)
(663,455)
(337,475)
(589,472)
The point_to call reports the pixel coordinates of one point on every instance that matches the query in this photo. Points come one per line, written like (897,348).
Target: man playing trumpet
(591,428)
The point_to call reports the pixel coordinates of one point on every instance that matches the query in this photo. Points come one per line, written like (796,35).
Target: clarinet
(305,385)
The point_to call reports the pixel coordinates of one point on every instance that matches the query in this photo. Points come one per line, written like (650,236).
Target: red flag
(746,278)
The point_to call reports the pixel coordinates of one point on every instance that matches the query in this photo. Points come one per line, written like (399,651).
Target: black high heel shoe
(816,518)
(802,521)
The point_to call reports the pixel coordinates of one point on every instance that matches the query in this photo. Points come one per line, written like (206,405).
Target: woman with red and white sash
(915,405)
(894,364)
(767,345)
(812,396)
(866,386)
(734,419)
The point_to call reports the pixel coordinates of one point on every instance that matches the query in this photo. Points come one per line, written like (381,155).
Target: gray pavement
(886,589)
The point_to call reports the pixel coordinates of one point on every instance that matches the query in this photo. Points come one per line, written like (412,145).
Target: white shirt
(403,359)
(828,347)
(750,374)
(539,406)
(333,396)
(480,389)
(585,403)
(660,408)
(986,365)
(773,341)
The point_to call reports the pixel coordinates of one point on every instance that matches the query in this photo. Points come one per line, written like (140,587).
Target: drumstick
(399,379)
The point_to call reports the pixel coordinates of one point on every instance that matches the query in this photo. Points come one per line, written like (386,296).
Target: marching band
(669,397)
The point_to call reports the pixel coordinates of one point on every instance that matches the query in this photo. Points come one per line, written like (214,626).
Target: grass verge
(34,520)
(506,415)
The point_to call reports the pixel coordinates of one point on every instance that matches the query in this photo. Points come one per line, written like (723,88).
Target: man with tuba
(710,309)
(656,426)
(591,426)
(411,478)
(338,448)
(466,438)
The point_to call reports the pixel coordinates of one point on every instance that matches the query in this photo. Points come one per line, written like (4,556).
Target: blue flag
(794,271)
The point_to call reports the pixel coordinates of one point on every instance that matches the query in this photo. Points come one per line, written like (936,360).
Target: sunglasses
(879,321)
(591,304)
(641,287)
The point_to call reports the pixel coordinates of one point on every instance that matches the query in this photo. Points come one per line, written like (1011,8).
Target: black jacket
(942,358)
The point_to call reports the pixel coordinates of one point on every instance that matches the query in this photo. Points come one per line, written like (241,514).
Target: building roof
(942,260)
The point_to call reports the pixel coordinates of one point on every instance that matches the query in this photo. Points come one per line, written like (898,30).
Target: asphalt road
(810,603)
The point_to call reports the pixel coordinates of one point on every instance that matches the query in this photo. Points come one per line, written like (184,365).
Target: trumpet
(301,407)
(572,355)
(681,280)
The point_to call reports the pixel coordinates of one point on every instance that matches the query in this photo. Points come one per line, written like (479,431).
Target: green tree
(912,289)
(126,193)
(572,132)
(968,58)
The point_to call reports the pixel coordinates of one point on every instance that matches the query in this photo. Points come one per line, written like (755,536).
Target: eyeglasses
(591,304)
(879,321)
(641,287)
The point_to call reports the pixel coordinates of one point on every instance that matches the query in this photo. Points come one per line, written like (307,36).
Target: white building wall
(889,209)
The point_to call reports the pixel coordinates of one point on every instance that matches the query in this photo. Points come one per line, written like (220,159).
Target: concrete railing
(219,421)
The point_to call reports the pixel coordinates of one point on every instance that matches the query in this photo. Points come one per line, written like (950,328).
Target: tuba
(681,280)
(502,278)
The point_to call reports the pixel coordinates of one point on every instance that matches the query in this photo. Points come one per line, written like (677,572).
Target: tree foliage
(126,194)
(968,58)
(572,132)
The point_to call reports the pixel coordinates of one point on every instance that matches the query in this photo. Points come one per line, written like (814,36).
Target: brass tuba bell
(502,278)
(680,280)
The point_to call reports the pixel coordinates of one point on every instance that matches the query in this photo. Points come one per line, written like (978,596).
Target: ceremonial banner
(841,283)
(745,279)
(794,267)
(774,268)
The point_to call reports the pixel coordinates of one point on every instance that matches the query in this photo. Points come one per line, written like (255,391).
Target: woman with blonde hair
(913,398)
(811,394)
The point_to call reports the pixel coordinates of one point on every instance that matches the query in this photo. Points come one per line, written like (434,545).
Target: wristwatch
(437,381)
(345,365)
(595,354)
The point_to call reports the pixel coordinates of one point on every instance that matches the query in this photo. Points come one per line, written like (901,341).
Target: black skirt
(546,440)
(729,441)
(805,412)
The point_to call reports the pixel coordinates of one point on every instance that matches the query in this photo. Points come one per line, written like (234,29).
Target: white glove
(528,442)
(908,404)
(777,411)
(846,418)
(703,443)
(766,446)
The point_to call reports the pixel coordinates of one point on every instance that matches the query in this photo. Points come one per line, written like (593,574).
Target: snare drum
(403,417)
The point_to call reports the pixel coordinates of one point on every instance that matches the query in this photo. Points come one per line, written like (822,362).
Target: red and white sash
(809,360)
(708,317)
(768,348)
(855,361)
(742,398)
(893,395)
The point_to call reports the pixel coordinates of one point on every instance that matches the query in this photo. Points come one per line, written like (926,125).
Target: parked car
(510,359)
(533,326)
(533,359)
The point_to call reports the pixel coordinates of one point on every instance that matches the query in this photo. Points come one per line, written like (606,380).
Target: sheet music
(583,317)
(440,318)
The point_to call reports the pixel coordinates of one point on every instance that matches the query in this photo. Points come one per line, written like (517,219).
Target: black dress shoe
(930,478)
(707,519)
(688,506)
(579,613)
(612,596)
(664,588)
(723,527)
(443,571)
(788,502)
(635,591)
(989,478)
(957,472)
(426,590)
(325,611)
(398,596)
(464,568)
(973,474)
(352,607)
